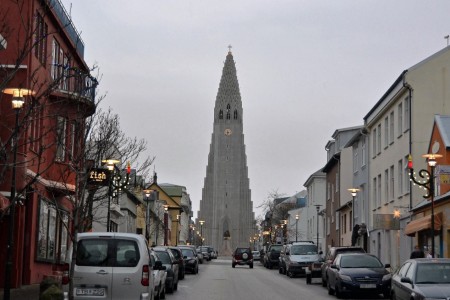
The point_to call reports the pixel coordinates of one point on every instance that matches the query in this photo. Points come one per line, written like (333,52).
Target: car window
(410,273)
(164,257)
(303,250)
(433,273)
(175,253)
(187,252)
(404,269)
(276,247)
(359,261)
(92,252)
(127,253)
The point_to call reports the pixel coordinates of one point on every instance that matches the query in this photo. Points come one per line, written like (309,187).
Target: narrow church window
(228,111)
(235,114)
(228,107)
(221,114)
(228,115)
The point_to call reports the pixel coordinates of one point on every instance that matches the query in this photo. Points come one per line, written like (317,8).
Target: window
(35,127)
(400,119)
(391,128)
(392,182)
(40,43)
(374,192)
(52,234)
(73,140)
(374,142)
(363,152)
(386,186)
(64,85)
(379,139)
(329,191)
(355,159)
(235,114)
(406,115)
(350,220)
(386,132)
(400,177)
(220,115)
(228,111)
(337,180)
(61,124)
(56,60)
(379,190)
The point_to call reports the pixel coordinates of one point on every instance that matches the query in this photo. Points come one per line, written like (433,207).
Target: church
(226,207)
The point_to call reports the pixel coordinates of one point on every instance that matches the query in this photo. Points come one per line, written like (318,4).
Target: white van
(111,266)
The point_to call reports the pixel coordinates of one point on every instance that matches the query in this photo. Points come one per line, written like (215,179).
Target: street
(217,280)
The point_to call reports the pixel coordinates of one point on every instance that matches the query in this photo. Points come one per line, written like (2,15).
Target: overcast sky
(305,69)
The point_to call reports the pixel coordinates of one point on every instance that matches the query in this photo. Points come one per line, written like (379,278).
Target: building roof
(443,124)
(172,190)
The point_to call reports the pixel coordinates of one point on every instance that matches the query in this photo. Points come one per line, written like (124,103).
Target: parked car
(159,276)
(179,257)
(296,258)
(242,256)
(172,267)
(331,255)
(424,278)
(272,256)
(256,255)
(109,263)
(199,256)
(190,259)
(352,273)
(205,252)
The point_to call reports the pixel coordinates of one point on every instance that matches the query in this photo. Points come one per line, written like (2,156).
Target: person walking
(417,253)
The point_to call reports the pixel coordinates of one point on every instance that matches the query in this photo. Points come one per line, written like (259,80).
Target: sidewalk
(26,292)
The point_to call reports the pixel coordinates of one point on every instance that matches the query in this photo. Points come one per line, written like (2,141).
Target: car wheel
(386,294)
(175,287)
(251,266)
(290,274)
(337,292)
(280,270)
(324,282)
(196,269)
(308,279)
(330,290)
(162,294)
(233,265)
(393,297)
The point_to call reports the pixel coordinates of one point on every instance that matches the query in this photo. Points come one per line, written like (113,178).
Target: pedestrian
(428,254)
(417,253)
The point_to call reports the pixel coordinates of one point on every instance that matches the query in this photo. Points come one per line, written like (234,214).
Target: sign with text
(385,221)
(98,176)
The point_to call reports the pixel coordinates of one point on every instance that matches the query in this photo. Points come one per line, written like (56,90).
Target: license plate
(367,286)
(90,292)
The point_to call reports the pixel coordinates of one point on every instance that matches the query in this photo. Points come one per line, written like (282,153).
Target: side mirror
(185,257)
(406,280)
(158,265)
(320,252)
(333,266)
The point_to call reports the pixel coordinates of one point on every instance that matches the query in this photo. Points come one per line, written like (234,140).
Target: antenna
(447,37)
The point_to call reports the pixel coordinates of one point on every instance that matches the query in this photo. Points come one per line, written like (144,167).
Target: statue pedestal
(226,247)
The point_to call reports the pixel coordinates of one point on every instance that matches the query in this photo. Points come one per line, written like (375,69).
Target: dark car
(353,273)
(179,258)
(331,255)
(190,259)
(172,267)
(272,256)
(425,278)
(242,256)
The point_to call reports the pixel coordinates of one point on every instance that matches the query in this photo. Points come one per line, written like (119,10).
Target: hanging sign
(98,176)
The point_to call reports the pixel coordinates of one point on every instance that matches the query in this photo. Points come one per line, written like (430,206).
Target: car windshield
(360,261)
(164,257)
(303,249)
(276,247)
(187,252)
(431,273)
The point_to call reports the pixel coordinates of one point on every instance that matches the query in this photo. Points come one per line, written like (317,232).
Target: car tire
(233,265)
(393,297)
(290,274)
(251,266)
(163,294)
(175,287)
(386,295)
(280,270)
(196,269)
(330,290)
(324,283)
(337,292)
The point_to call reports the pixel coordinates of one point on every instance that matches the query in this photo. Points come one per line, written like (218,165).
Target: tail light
(65,275)
(145,281)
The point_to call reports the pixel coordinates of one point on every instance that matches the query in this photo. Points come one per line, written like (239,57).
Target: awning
(423,224)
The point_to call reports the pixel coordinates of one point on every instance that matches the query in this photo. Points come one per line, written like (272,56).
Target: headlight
(386,277)
(345,278)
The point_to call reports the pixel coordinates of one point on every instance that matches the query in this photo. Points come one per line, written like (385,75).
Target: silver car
(159,276)
(111,266)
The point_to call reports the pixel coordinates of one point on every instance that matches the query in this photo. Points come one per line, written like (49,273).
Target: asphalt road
(217,280)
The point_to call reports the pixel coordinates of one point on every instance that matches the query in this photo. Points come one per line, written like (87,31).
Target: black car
(353,273)
(425,278)
(190,259)
(272,256)
(242,256)
(331,255)
(179,258)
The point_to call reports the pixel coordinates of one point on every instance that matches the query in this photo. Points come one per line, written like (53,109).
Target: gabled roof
(172,190)
(443,125)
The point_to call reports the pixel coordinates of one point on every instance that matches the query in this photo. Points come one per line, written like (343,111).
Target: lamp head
(166,207)
(18,98)
(296,217)
(201,222)
(110,163)
(353,191)
(147,193)
(431,159)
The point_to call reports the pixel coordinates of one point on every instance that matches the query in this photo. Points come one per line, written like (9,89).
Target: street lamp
(353,191)
(201,230)
(317,237)
(176,233)
(17,102)
(296,227)
(166,224)
(148,197)
(115,182)
(428,184)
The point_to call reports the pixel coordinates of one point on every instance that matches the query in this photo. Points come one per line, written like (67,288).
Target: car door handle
(102,272)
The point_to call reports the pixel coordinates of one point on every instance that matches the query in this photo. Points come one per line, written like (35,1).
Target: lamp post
(296,227)
(317,225)
(166,222)
(428,184)
(201,230)
(148,198)
(176,233)
(17,103)
(115,182)
(353,191)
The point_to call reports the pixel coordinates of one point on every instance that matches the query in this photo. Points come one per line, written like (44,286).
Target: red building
(43,59)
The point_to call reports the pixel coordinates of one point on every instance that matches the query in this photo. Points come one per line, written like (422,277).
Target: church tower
(226,207)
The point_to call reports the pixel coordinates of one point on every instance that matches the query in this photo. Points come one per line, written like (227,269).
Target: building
(399,124)
(59,93)
(226,207)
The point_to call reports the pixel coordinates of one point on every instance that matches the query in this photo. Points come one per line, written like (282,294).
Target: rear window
(276,247)
(187,252)
(107,253)
(176,254)
(303,250)
(164,257)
